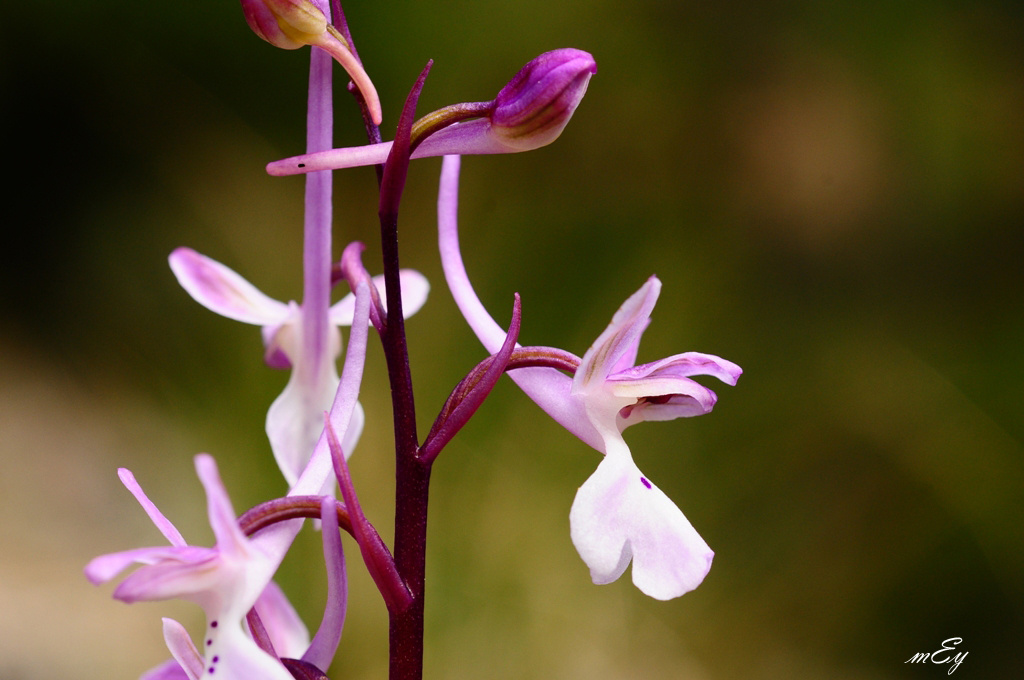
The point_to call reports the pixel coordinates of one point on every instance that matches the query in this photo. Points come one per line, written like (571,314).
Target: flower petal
(682,366)
(169,531)
(415,288)
(668,407)
(345,408)
(619,341)
(320,652)
(618,514)
(234,656)
(287,632)
(191,573)
(186,657)
(221,290)
(471,137)
(295,421)
(232,543)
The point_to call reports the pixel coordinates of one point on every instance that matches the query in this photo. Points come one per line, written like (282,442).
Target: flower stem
(412,474)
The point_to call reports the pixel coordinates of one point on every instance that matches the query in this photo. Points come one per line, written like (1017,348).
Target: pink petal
(105,567)
(682,366)
(667,408)
(286,630)
(192,573)
(415,288)
(320,652)
(618,343)
(186,657)
(232,543)
(169,531)
(221,290)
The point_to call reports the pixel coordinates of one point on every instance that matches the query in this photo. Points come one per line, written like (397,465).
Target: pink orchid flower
(295,419)
(618,515)
(225,581)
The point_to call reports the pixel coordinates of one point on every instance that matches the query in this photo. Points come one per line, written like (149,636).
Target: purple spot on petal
(213,624)
(215,659)
(209,642)
(645,482)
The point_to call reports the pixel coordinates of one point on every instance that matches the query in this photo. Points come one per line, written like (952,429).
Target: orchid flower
(225,581)
(529,112)
(618,514)
(295,419)
(291,24)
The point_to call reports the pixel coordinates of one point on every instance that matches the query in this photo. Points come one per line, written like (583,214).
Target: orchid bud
(535,106)
(288,24)
(528,113)
(291,24)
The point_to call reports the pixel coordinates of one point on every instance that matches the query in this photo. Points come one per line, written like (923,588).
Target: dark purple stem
(412,475)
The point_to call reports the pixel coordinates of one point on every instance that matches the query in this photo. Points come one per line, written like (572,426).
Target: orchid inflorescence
(619,515)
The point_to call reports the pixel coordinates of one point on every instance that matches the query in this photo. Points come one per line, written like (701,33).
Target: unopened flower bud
(535,106)
(291,24)
(528,113)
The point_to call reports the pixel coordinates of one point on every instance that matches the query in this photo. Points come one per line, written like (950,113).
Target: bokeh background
(831,193)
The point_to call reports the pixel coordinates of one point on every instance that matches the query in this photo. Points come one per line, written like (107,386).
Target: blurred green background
(831,193)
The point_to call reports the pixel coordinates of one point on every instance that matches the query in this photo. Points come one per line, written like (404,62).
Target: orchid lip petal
(619,514)
(292,426)
(223,291)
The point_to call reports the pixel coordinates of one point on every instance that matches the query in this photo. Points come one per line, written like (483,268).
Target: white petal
(619,514)
(295,421)
(234,656)
(221,290)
